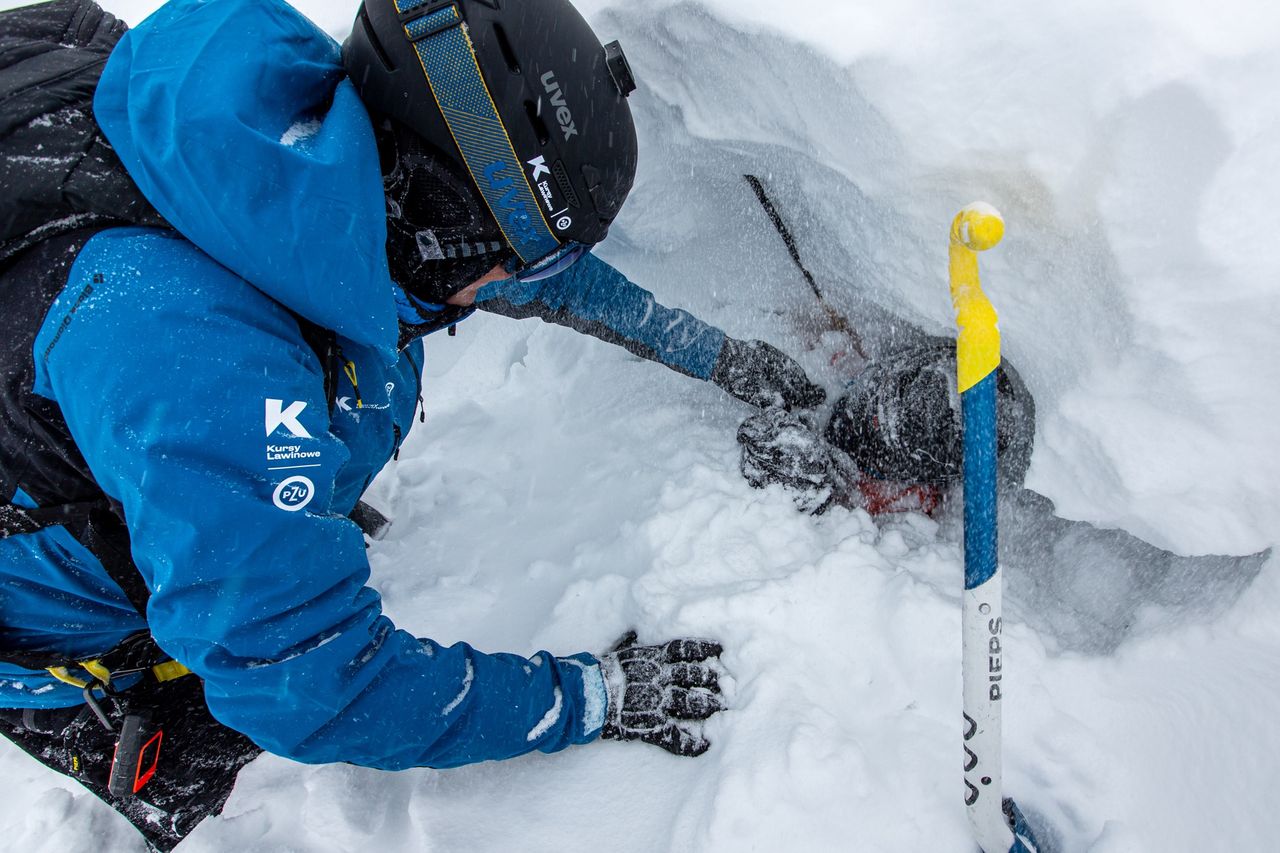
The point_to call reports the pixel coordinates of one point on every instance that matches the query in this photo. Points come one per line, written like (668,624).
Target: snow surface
(562,491)
(300,132)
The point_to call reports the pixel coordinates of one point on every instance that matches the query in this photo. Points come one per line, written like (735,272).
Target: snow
(563,491)
(595,701)
(299,132)
(467,678)
(548,719)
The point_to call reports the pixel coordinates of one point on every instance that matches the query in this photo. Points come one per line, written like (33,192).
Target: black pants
(199,757)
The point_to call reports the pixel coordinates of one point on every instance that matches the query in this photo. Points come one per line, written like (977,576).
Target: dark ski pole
(998,825)
(837,320)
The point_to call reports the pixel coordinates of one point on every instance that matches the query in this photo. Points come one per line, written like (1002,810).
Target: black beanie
(440,235)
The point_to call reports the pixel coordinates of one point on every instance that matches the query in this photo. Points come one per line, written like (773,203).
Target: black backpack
(60,175)
(58,171)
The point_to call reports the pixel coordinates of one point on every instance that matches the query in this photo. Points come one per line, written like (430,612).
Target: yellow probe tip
(980,227)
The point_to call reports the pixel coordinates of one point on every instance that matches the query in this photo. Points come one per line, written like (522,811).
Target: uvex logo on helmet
(563,115)
(515,214)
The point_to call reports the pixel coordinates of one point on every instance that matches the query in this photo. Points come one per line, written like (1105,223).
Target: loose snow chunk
(595,699)
(299,651)
(466,688)
(549,719)
(300,132)
(595,696)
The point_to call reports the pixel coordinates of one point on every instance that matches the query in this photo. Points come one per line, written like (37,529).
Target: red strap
(885,496)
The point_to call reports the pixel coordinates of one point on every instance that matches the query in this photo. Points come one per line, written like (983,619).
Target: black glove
(764,376)
(781,448)
(658,693)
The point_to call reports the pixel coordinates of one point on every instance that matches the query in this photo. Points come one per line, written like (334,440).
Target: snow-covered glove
(659,694)
(782,448)
(762,375)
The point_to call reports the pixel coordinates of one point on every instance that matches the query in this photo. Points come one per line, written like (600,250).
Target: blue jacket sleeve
(163,364)
(594,298)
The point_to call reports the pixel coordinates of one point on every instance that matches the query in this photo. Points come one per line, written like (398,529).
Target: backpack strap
(325,344)
(106,536)
(134,653)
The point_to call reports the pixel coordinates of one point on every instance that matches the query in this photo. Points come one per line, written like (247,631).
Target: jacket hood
(237,122)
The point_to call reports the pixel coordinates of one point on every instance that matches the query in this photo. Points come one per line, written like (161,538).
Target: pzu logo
(294,494)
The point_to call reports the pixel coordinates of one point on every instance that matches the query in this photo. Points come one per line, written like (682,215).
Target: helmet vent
(566,186)
(504,45)
(378,49)
(539,126)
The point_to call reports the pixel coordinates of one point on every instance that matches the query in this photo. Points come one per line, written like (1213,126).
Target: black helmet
(536,106)
(901,419)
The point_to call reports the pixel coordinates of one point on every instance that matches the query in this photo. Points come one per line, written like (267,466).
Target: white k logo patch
(539,165)
(278,416)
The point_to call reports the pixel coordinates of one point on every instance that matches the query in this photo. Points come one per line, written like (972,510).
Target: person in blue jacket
(193,405)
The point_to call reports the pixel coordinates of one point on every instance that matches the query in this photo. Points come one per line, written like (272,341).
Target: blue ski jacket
(177,361)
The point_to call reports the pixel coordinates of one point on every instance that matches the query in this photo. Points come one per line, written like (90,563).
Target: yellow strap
(350,369)
(976,228)
(97,670)
(169,670)
(93,667)
(60,673)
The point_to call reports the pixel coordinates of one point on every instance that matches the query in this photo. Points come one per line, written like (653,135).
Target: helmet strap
(440,38)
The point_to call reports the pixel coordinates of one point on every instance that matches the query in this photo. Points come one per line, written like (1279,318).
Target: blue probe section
(979,408)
